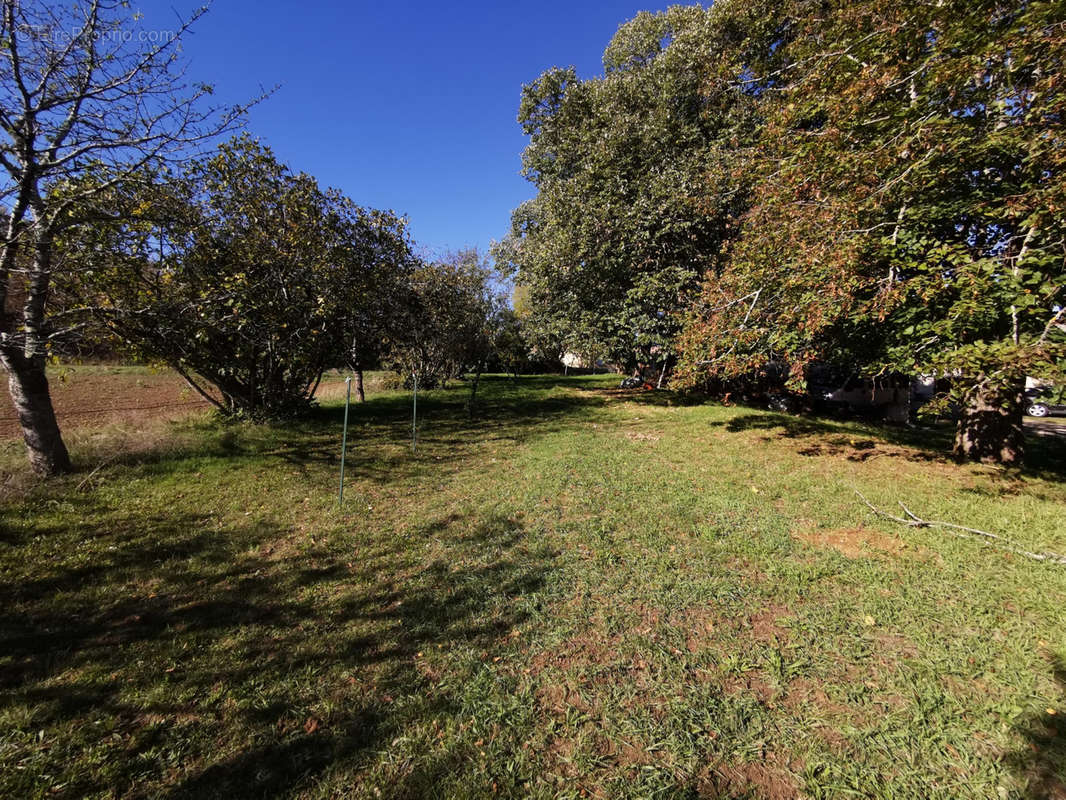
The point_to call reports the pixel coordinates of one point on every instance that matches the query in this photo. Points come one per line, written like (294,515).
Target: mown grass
(579,593)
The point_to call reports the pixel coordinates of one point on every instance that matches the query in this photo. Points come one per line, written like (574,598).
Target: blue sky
(408,106)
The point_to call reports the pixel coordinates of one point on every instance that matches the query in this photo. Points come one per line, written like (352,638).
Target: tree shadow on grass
(104,588)
(663,398)
(1041,764)
(861,441)
(225,662)
(799,426)
(507,410)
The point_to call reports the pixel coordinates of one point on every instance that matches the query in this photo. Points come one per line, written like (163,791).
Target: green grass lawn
(580,593)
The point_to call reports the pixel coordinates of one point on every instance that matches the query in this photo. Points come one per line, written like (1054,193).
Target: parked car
(1038,406)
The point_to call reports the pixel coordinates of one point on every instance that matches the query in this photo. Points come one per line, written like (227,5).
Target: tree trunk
(359,386)
(990,428)
(25,360)
(662,374)
(33,403)
(473,390)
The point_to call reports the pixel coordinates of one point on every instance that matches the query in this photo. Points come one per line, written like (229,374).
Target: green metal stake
(414,412)
(344,437)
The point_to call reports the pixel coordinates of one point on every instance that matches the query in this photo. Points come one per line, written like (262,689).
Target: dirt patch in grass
(764,624)
(701,624)
(895,646)
(867,450)
(556,699)
(769,780)
(807,697)
(626,754)
(855,542)
(634,436)
(804,691)
(754,684)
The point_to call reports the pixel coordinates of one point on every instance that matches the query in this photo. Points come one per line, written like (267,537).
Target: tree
(871,185)
(377,310)
(78,91)
(510,349)
(636,195)
(448,324)
(907,211)
(245,278)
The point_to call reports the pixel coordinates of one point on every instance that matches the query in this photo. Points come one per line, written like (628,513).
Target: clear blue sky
(408,106)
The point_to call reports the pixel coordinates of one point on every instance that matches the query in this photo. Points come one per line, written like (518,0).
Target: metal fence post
(344,436)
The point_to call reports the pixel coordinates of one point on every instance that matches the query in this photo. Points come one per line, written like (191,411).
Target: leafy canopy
(246,276)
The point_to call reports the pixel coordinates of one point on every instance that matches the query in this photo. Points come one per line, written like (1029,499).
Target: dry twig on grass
(914,521)
(88,478)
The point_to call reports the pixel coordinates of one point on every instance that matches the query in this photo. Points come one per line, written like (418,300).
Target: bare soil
(854,542)
(96,399)
(93,397)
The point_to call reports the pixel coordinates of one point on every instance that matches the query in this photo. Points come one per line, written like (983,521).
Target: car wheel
(1037,410)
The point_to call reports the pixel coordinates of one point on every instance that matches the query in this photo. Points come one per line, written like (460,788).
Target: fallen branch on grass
(914,521)
(92,474)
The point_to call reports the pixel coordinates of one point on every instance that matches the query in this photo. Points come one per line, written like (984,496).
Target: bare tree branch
(86,106)
(914,521)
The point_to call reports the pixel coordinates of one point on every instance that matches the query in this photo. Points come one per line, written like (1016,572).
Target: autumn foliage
(872,185)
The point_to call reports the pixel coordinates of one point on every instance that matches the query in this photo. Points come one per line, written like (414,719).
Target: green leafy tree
(376,308)
(246,278)
(510,349)
(907,209)
(447,328)
(635,194)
